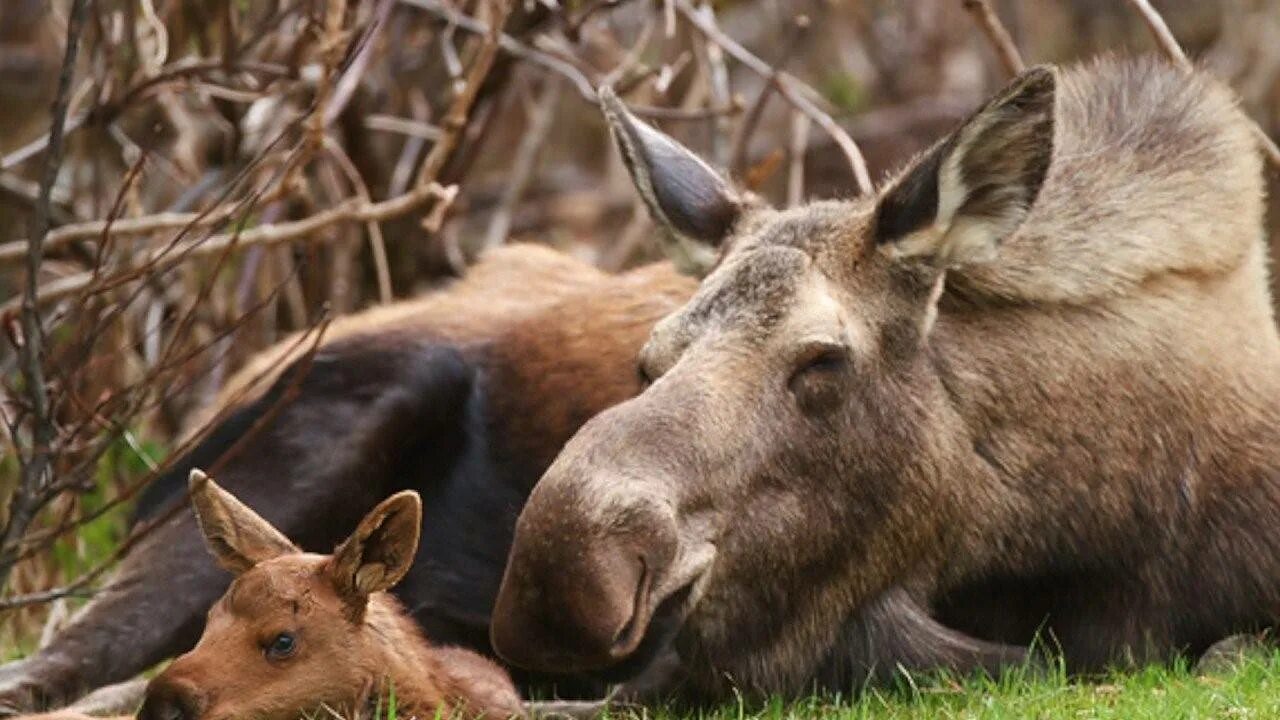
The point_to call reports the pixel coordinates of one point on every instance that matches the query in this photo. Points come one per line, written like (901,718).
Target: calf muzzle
(169,701)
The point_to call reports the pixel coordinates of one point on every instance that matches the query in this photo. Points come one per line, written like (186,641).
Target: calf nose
(168,701)
(578,594)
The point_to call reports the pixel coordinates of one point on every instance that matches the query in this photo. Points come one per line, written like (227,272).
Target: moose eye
(282,646)
(817,377)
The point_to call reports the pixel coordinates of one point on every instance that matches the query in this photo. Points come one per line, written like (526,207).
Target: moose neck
(399,661)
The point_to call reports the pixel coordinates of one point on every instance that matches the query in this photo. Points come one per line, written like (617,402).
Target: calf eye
(818,377)
(282,646)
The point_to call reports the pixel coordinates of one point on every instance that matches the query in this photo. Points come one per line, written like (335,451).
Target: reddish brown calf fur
(298,632)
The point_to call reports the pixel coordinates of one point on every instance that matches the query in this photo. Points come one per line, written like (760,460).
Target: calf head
(292,632)
(787,459)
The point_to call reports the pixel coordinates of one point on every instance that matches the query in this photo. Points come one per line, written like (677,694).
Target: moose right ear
(684,194)
(238,537)
(964,198)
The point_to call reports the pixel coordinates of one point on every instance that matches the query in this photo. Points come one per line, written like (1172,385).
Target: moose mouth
(658,634)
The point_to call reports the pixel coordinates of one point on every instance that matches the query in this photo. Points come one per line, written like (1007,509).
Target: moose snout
(169,700)
(582,581)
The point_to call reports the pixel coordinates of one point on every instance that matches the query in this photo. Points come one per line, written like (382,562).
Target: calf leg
(361,417)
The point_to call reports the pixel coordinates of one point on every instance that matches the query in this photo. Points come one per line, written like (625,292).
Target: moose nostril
(167,703)
(632,631)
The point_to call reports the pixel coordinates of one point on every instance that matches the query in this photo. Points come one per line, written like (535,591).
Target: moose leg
(361,419)
(890,635)
(894,634)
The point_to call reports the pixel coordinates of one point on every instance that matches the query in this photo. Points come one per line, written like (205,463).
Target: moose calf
(298,631)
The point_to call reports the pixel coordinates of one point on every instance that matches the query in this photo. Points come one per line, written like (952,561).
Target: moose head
(789,457)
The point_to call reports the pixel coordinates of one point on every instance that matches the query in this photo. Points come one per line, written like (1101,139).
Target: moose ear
(684,194)
(962,199)
(238,537)
(381,550)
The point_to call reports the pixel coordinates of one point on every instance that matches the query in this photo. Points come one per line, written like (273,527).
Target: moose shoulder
(1033,384)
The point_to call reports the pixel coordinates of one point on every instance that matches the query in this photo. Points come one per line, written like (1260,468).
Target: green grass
(1250,690)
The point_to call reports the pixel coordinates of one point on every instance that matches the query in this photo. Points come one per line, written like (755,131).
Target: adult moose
(1033,384)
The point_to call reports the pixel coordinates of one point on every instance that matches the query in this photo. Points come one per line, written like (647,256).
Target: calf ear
(962,199)
(684,194)
(381,550)
(238,537)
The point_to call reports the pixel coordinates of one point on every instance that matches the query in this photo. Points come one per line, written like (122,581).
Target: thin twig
(1172,50)
(127,227)
(402,126)
(81,584)
(173,72)
(35,469)
(1001,40)
(711,60)
(790,88)
(332,46)
(509,45)
(526,158)
(799,143)
(377,244)
(741,142)
(455,120)
(162,259)
(345,88)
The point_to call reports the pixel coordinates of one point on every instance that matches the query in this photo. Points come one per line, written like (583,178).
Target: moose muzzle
(586,573)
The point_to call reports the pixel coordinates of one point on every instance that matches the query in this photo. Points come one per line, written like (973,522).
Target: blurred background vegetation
(234,171)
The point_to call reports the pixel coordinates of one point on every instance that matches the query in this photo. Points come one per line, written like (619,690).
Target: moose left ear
(972,191)
(683,193)
(237,537)
(381,550)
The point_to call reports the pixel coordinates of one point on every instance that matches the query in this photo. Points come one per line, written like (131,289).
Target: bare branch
(163,259)
(37,466)
(1172,50)
(455,119)
(81,584)
(799,143)
(996,32)
(738,155)
(377,245)
(403,126)
(790,88)
(526,158)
